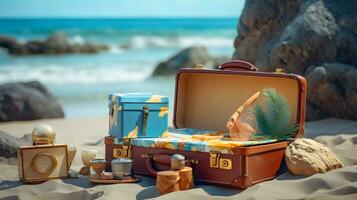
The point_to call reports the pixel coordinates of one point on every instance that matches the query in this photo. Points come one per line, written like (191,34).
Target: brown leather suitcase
(203,100)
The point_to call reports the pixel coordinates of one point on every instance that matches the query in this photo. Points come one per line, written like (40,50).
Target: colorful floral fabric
(197,142)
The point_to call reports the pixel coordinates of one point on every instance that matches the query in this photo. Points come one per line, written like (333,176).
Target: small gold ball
(43,134)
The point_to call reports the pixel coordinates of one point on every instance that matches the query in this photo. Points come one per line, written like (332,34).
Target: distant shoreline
(118,18)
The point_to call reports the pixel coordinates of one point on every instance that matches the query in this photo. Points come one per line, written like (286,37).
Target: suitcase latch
(124,152)
(279,71)
(216,161)
(225,163)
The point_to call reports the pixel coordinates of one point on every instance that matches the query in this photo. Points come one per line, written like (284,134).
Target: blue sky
(121,8)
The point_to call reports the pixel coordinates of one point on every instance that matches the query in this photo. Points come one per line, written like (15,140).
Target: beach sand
(339,135)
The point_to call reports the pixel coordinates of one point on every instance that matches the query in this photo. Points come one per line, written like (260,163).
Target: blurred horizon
(120,8)
(115,17)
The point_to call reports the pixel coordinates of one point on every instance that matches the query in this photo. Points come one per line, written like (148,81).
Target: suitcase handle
(238,65)
(162,159)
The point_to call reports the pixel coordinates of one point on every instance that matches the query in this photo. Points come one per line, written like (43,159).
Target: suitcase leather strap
(145,121)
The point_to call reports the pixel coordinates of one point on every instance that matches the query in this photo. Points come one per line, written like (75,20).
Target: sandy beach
(339,135)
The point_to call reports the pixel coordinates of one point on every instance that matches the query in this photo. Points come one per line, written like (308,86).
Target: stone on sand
(9,144)
(27,101)
(188,57)
(307,157)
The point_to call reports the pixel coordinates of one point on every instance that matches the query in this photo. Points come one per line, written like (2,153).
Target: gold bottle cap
(43,134)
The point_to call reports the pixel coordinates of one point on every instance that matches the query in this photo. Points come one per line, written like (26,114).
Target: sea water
(82,82)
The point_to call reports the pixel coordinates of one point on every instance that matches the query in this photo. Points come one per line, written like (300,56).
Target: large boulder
(333,85)
(188,57)
(9,144)
(27,101)
(312,38)
(307,157)
(58,43)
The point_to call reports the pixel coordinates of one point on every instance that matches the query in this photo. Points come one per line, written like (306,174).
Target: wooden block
(186,179)
(167,181)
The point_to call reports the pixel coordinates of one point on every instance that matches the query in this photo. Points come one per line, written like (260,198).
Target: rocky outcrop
(317,39)
(9,144)
(27,101)
(188,57)
(58,43)
(332,91)
(307,157)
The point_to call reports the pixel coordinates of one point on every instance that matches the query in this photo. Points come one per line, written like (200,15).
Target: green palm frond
(275,120)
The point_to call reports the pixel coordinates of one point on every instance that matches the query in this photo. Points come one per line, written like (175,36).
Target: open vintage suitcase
(205,99)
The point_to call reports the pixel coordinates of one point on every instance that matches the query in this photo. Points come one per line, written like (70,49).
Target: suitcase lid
(205,99)
(120,98)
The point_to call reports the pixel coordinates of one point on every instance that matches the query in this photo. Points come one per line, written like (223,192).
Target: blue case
(134,115)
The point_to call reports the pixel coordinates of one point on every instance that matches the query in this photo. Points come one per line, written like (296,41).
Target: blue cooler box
(133,115)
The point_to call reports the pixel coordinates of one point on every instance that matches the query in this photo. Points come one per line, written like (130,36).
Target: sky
(121,8)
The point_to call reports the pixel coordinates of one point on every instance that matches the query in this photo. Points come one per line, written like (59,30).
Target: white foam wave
(58,74)
(140,42)
(205,41)
(77,39)
(115,49)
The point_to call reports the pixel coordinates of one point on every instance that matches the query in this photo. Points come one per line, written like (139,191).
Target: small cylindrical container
(121,168)
(177,162)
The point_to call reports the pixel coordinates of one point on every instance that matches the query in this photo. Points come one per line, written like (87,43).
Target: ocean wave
(58,74)
(140,42)
(115,49)
(150,41)
(77,39)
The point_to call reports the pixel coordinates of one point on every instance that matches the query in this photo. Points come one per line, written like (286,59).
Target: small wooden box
(43,162)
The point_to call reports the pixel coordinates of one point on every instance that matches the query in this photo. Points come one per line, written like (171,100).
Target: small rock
(217,61)
(307,157)
(188,57)
(9,144)
(27,101)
